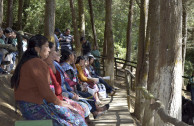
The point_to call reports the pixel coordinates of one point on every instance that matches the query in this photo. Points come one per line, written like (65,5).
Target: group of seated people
(58,86)
(7,58)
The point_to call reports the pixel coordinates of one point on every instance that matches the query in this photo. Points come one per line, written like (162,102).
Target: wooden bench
(34,123)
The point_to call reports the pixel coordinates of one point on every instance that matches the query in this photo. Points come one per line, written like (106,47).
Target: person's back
(86,47)
(34,75)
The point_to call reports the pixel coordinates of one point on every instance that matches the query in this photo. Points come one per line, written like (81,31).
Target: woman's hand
(65,104)
(75,97)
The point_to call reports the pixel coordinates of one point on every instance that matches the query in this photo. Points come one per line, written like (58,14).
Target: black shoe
(107,106)
(5,72)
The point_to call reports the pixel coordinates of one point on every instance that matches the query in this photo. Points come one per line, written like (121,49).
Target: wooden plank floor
(118,113)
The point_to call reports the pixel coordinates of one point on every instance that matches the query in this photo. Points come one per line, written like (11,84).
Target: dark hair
(35,41)
(65,55)
(79,58)
(82,38)
(90,57)
(8,30)
(51,44)
(57,30)
(67,29)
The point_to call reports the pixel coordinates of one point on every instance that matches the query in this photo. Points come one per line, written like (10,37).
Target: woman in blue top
(66,60)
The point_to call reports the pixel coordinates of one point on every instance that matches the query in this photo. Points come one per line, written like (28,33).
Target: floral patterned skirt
(61,116)
(81,107)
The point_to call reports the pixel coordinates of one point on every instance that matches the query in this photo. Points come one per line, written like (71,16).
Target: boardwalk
(118,114)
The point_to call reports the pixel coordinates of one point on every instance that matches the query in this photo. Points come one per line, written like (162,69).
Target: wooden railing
(156,104)
(129,65)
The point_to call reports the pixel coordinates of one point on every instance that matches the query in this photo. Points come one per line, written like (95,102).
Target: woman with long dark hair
(67,60)
(32,92)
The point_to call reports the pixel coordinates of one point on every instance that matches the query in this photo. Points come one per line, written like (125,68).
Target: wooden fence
(156,104)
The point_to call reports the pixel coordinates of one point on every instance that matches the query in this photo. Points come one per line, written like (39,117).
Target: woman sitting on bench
(32,92)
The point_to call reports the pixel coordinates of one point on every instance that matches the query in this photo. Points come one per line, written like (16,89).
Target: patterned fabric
(60,115)
(81,107)
(66,67)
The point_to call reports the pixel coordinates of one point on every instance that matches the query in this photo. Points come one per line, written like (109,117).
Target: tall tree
(49,25)
(110,44)
(184,31)
(76,33)
(105,41)
(26,4)
(129,30)
(92,22)
(20,10)
(153,76)
(170,58)
(10,13)
(1,12)
(81,18)
(141,49)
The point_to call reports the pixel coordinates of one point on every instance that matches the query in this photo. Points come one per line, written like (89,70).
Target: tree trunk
(76,33)
(105,40)
(92,22)
(110,43)
(20,10)
(129,29)
(25,15)
(153,20)
(141,44)
(184,32)
(81,18)
(170,59)
(49,25)
(104,48)
(10,13)
(1,12)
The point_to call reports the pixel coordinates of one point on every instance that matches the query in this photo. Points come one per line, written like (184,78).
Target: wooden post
(116,66)
(132,86)
(103,66)
(128,88)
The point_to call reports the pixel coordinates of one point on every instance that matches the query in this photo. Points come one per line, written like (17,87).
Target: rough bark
(26,4)
(1,12)
(92,22)
(154,17)
(49,20)
(81,18)
(10,13)
(105,40)
(184,32)
(129,30)
(141,47)
(170,59)
(76,33)
(20,10)
(110,51)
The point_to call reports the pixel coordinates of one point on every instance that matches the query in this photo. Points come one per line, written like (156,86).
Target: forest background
(33,22)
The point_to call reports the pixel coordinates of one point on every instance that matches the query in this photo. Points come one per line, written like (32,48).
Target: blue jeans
(108,87)
(192,93)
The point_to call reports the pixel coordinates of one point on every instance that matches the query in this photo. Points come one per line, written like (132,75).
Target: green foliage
(189,62)
(189,68)
(119,51)
(35,18)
